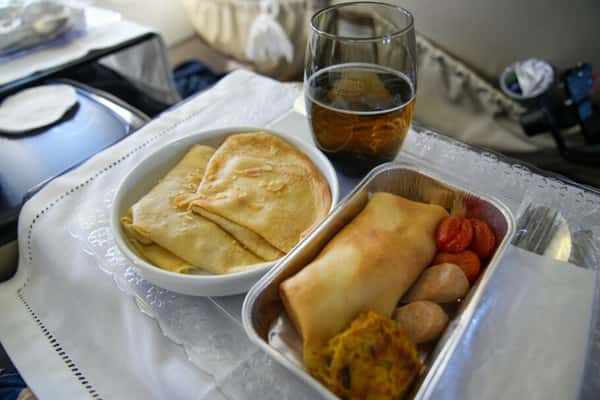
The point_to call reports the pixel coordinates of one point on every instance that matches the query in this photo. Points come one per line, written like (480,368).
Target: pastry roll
(367,266)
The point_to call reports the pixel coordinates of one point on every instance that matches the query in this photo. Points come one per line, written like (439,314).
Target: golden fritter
(373,360)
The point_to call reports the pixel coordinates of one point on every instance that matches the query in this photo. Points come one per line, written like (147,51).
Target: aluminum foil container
(264,316)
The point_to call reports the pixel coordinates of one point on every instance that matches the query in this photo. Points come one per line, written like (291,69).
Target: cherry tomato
(454,234)
(467,260)
(484,240)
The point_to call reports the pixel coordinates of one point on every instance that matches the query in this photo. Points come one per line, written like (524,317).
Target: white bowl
(144,177)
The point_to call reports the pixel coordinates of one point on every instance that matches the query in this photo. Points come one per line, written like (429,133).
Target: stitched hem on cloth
(77,373)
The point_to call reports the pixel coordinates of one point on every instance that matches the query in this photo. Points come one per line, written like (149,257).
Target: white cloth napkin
(528,338)
(35,108)
(120,352)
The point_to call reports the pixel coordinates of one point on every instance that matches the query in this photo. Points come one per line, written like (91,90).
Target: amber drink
(360,114)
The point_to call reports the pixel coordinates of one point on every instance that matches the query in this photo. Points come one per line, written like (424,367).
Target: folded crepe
(263,191)
(154,253)
(367,266)
(179,240)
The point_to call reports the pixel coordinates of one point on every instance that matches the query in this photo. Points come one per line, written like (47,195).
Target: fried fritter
(373,360)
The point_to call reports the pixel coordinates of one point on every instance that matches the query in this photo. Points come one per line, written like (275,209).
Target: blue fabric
(11,384)
(192,77)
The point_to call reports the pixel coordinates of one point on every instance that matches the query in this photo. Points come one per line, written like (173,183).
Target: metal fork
(542,230)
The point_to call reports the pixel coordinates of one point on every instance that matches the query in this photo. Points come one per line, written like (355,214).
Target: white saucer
(35,108)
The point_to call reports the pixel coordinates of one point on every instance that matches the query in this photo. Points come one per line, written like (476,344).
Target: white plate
(144,176)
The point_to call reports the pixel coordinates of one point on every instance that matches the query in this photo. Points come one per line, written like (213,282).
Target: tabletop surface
(77,309)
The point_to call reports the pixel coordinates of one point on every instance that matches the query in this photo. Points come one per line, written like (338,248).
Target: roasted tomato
(467,260)
(484,240)
(454,234)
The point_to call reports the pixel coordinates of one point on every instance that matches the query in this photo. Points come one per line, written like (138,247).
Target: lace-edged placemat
(209,329)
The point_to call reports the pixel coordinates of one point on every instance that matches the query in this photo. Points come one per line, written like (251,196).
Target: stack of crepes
(223,211)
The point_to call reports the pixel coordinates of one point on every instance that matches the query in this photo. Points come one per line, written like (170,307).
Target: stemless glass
(360,83)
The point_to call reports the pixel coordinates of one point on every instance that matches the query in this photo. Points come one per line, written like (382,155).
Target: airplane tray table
(79,322)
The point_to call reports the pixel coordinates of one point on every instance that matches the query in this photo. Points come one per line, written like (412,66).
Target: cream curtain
(224,25)
(456,101)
